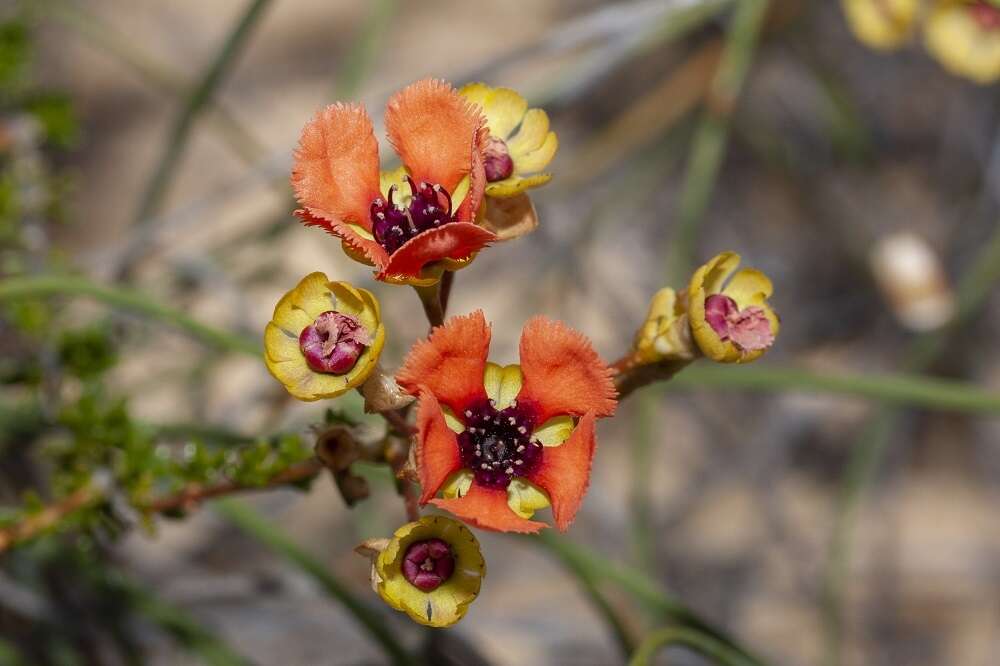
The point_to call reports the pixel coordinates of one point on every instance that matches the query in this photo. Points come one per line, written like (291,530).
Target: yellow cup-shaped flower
(513,159)
(665,335)
(882,24)
(431,570)
(731,320)
(964,36)
(324,338)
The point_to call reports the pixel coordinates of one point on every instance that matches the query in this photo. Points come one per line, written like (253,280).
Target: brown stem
(397,419)
(631,376)
(49,516)
(193,494)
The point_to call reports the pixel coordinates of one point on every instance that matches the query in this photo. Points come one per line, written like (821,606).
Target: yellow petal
(280,345)
(502,384)
(524,497)
(554,432)
(502,107)
(509,217)
(451,420)
(395,177)
(882,24)
(511,187)
(748,286)
(962,46)
(538,159)
(713,275)
(530,137)
(458,484)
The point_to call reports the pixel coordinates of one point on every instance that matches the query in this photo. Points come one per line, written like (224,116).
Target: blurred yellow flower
(324,338)
(964,36)
(513,160)
(882,24)
(431,570)
(665,334)
(731,320)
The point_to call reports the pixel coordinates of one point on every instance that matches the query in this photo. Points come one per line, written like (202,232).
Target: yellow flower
(513,160)
(964,36)
(882,24)
(665,334)
(431,570)
(324,338)
(731,320)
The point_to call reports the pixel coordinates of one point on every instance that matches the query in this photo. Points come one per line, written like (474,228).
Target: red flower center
(748,329)
(428,564)
(986,14)
(497,160)
(333,342)
(497,445)
(393,224)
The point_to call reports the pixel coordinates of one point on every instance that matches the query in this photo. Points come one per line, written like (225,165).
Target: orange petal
(437,447)
(363,248)
(487,509)
(450,363)
(434,130)
(562,372)
(477,183)
(565,471)
(455,240)
(335,172)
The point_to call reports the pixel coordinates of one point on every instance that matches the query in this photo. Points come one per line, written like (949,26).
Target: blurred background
(824,505)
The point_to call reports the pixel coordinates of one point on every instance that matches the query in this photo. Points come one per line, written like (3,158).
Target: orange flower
(501,442)
(409,237)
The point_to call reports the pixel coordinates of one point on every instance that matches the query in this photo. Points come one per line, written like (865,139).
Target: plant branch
(52,515)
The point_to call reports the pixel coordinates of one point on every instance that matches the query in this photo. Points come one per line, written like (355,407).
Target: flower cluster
(963,35)
(490,444)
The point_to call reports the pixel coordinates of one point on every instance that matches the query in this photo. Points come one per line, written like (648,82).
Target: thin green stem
(193,106)
(127,299)
(692,639)
(660,605)
(256,526)
(642,526)
(712,134)
(974,288)
(430,298)
(359,60)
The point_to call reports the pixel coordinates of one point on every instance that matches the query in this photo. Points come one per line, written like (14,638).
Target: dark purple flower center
(497,160)
(428,564)
(497,445)
(987,15)
(333,342)
(393,224)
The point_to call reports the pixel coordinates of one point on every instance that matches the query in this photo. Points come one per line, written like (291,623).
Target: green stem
(129,300)
(256,526)
(661,606)
(641,473)
(712,133)
(897,388)
(195,103)
(359,60)
(974,288)
(690,638)
(430,298)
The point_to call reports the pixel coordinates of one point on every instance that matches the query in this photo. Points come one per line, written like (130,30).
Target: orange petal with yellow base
(335,174)
(487,508)
(565,472)
(455,240)
(437,447)
(361,249)
(450,363)
(562,372)
(435,131)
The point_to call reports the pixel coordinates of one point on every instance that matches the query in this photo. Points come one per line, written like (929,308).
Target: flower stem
(691,638)
(430,298)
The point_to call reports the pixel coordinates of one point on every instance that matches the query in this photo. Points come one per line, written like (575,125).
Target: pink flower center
(497,160)
(497,444)
(393,224)
(333,342)
(428,564)
(748,329)
(986,14)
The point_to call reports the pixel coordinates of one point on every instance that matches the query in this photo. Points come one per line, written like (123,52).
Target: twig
(194,494)
(51,515)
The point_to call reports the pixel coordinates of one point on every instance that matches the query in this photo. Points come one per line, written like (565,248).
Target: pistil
(333,343)
(428,564)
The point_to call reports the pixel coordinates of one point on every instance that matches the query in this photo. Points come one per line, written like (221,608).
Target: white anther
(468,413)
(484,466)
(522,430)
(518,462)
(509,470)
(520,448)
(511,420)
